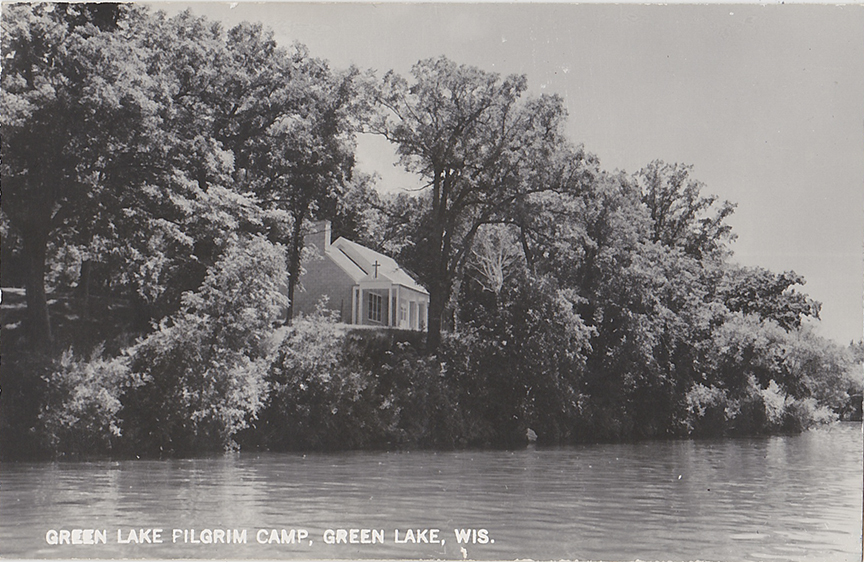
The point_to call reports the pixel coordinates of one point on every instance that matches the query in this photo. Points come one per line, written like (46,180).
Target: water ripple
(774,498)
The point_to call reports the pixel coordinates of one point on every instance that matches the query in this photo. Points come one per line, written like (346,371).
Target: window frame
(375,307)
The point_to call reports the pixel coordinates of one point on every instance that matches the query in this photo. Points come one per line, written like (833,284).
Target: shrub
(335,388)
(517,363)
(81,413)
(24,378)
(706,410)
(203,369)
(712,412)
(315,400)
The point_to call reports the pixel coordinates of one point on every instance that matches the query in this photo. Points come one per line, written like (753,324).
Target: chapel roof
(358,262)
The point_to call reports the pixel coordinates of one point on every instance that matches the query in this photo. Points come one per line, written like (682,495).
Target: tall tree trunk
(440,290)
(294,262)
(84,287)
(438,285)
(437,303)
(35,245)
(529,256)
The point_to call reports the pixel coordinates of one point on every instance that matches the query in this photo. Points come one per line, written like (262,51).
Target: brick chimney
(319,235)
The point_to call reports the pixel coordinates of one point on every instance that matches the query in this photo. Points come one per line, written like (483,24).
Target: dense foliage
(159,175)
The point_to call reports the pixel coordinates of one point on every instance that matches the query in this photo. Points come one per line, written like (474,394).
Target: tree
(211,96)
(200,375)
(480,151)
(68,72)
(494,256)
(771,296)
(680,214)
(517,359)
(644,302)
(302,164)
(285,117)
(145,143)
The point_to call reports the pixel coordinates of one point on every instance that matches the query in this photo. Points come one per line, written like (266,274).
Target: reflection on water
(774,498)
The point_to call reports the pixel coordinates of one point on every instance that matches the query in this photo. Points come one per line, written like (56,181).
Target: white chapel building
(363,286)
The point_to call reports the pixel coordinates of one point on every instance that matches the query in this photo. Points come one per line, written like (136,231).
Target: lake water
(772,498)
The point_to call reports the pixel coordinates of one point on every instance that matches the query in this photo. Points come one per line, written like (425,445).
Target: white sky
(767,103)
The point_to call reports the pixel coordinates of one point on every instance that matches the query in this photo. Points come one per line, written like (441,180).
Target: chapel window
(375,307)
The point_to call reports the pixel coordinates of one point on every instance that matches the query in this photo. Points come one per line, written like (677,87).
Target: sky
(766,102)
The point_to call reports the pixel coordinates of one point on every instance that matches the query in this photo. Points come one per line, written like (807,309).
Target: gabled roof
(358,262)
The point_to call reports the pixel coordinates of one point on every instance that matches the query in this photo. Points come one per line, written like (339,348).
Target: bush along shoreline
(318,385)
